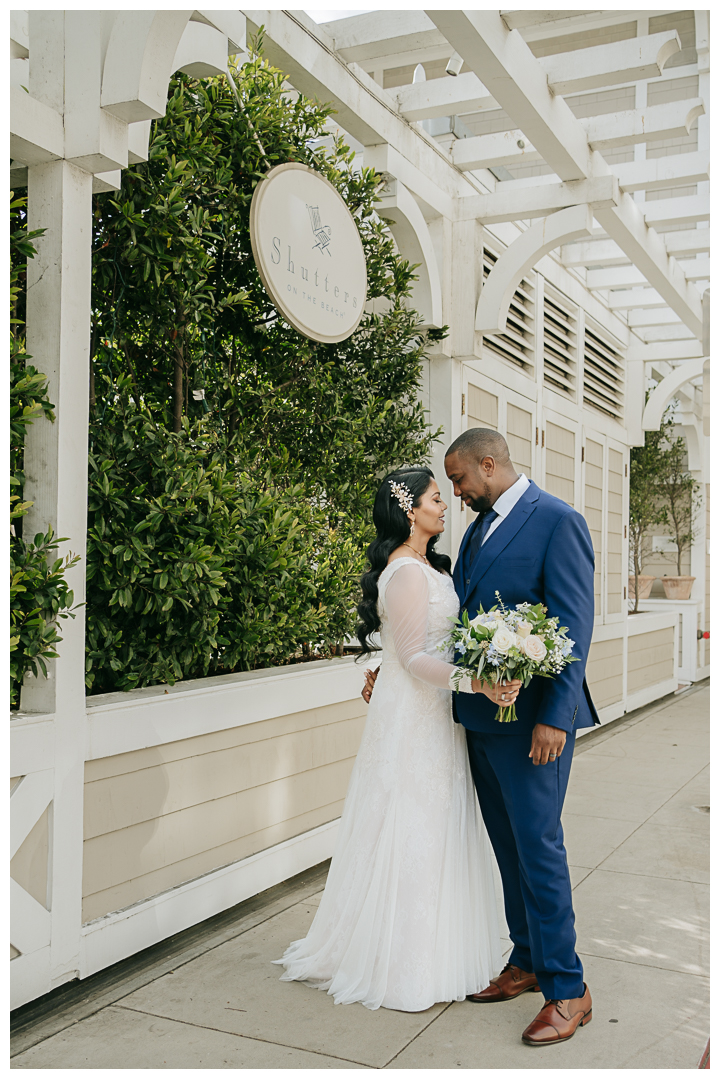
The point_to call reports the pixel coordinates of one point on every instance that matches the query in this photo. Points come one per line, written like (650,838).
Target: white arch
(139,63)
(413,239)
(203,51)
(666,390)
(496,294)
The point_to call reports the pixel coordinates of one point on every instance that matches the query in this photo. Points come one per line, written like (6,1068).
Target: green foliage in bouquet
(500,645)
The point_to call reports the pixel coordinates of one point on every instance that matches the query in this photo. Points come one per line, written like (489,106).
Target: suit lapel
(501,537)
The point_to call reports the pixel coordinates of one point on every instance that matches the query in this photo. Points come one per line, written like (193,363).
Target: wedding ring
(552,755)
(502,697)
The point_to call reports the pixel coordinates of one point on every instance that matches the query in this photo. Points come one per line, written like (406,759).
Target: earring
(412,528)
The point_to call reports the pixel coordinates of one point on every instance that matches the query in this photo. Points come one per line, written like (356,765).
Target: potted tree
(679,501)
(646,462)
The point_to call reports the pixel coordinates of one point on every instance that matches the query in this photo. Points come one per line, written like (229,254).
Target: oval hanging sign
(308,252)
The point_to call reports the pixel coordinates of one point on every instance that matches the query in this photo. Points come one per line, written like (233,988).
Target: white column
(58,339)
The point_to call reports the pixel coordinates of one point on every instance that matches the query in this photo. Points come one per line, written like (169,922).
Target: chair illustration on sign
(320,232)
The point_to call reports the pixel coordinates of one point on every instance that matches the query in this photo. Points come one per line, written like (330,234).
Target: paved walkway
(637,827)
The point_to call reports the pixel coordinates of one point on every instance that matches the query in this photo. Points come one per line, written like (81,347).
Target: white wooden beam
(593,252)
(658,351)
(678,332)
(362,108)
(573,72)
(634,126)
(605,252)
(608,65)
(490,151)
(625,277)
(450,96)
(504,278)
(652,317)
(687,242)
(539,202)
(680,210)
(648,252)
(505,64)
(626,299)
(385,158)
(36,130)
(377,34)
(656,173)
(518,20)
(513,76)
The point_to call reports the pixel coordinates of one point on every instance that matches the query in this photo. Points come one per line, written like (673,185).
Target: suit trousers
(521,805)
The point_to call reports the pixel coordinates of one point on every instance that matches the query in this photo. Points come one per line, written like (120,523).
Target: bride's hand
(370,677)
(503,694)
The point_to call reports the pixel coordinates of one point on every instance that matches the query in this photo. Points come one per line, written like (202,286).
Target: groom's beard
(482,503)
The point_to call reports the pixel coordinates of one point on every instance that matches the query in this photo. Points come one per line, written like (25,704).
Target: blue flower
(461,649)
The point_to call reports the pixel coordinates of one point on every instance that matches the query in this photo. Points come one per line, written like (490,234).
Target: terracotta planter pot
(678,588)
(645,584)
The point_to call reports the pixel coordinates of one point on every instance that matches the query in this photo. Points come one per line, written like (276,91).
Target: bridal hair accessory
(403,496)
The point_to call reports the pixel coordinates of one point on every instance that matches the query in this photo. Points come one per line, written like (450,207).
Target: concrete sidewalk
(637,831)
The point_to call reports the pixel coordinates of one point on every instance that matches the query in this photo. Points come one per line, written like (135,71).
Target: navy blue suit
(541,552)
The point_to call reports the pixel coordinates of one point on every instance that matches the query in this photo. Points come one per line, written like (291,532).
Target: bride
(408,914)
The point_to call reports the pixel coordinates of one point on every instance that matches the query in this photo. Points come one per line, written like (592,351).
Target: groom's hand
(547,744)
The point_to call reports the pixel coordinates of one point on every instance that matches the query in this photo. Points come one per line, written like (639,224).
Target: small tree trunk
(178,387)
(636,564)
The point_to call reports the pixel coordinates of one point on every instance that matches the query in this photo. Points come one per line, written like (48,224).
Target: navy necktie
(481,531)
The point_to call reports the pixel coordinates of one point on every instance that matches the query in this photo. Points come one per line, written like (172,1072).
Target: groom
(530,547)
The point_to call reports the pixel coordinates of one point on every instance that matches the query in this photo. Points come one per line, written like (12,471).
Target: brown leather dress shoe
(559,1020)
(510,983)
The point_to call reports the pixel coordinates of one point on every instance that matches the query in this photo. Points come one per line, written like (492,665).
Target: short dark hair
(477,443)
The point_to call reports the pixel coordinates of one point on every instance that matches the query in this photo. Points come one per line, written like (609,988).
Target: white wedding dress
(408,915)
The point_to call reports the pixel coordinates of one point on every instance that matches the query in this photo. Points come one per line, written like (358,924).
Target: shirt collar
(505,502)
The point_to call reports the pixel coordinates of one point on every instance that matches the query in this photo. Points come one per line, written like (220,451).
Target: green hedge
(196,567)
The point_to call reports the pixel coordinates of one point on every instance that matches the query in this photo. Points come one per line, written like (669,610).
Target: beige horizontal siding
(604,672)
(160,816)
(594,510)
(707,570)
(519,438)
(650,658)
(615,576)
(152,882)
(560,462)
(482,408)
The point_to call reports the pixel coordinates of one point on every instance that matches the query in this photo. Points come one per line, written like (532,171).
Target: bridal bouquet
(502,645)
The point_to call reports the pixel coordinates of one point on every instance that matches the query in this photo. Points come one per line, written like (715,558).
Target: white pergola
(579,136)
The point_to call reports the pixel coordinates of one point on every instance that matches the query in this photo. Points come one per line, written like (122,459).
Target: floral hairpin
(403,496)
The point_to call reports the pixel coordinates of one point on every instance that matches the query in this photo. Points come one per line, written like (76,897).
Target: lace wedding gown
(408,914)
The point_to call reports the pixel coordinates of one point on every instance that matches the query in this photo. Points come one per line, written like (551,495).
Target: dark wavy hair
(393,529)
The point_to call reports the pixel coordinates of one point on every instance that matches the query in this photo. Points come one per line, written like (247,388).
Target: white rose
(523,628)
(504,639)
(534,648)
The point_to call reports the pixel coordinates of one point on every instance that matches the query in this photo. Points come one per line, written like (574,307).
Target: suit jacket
(540,553)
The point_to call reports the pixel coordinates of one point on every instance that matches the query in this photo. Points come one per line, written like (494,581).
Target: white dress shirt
(505,503)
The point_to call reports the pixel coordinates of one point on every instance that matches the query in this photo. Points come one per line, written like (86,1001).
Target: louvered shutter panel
(517,344)
(604,376)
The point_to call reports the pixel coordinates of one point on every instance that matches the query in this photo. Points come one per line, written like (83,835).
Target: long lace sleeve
(406,604)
